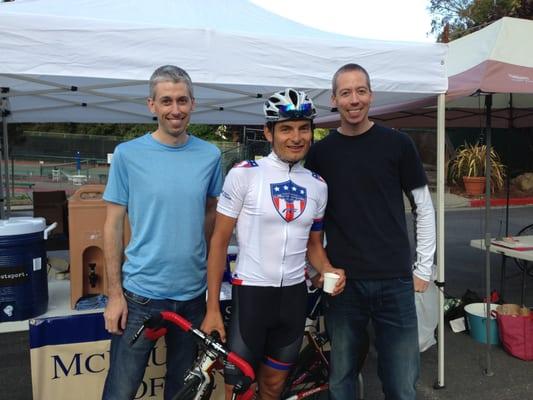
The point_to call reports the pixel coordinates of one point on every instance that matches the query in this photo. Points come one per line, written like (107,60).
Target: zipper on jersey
(286,236)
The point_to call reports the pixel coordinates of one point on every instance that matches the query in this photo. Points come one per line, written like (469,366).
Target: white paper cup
(330,279)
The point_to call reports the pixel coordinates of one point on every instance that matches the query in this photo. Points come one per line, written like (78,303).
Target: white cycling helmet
(289,104)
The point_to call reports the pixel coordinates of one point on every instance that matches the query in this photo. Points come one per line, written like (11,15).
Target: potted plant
(468,166)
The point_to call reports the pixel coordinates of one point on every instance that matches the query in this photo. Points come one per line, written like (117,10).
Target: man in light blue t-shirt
(167,181)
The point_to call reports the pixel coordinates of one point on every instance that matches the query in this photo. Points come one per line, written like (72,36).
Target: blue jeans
(390,305)
(127,363)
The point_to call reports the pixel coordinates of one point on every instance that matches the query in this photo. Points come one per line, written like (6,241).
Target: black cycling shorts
(267,325)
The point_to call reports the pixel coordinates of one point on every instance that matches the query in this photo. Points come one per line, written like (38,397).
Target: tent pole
(5,148)
(5,207)
(440,234)
(508,181)
(488,126)
(507,189)
(4,127)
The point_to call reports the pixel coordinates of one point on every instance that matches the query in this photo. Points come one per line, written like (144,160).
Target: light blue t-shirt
(165,189)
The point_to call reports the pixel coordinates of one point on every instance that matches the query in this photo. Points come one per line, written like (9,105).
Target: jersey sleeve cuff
(423,274)
(115,200)
(226,212)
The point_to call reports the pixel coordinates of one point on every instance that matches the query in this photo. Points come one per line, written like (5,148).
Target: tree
(125,131)
(209,132)
(452,19)
(320,133)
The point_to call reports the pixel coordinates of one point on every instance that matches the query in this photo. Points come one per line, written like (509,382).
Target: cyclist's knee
(270,392)
(271,382)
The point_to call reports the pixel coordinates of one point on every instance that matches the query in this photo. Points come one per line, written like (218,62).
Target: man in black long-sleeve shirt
(368,168)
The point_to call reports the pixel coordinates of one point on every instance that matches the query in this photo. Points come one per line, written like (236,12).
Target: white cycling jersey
(276,207)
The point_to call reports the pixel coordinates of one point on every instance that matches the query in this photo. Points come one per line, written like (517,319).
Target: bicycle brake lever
(136,335)
(242,385)
(155,330)
(155,321)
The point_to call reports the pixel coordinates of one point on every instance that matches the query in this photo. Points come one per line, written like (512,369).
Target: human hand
(419,284)
(213,322)
(341,282)
(116,314)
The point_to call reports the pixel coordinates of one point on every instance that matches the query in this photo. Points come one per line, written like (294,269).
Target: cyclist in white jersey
(277,207)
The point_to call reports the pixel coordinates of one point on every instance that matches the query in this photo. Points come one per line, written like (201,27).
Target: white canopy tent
(501,70)
(89,61)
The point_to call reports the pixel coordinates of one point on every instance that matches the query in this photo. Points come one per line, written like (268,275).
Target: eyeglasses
(291,112)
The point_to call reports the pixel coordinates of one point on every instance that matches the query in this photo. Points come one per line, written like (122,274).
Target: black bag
(455,308)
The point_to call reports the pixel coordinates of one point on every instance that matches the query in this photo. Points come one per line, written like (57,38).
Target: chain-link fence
(49,161)
(63,146)
(255,144)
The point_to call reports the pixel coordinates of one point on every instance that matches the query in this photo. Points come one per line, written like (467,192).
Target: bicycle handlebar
(155,328)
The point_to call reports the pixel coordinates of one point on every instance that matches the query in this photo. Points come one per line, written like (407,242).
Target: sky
(405,20)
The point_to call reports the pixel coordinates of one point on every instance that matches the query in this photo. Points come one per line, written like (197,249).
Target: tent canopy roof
(495,59)
(236,16)
(506,40)
(89,60)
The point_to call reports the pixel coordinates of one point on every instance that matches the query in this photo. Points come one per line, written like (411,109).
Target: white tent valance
(89,61)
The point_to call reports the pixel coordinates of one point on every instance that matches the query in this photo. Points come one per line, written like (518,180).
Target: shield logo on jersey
(289,199)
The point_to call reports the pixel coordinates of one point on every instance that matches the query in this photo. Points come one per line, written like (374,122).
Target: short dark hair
(170,73)
(348,68)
